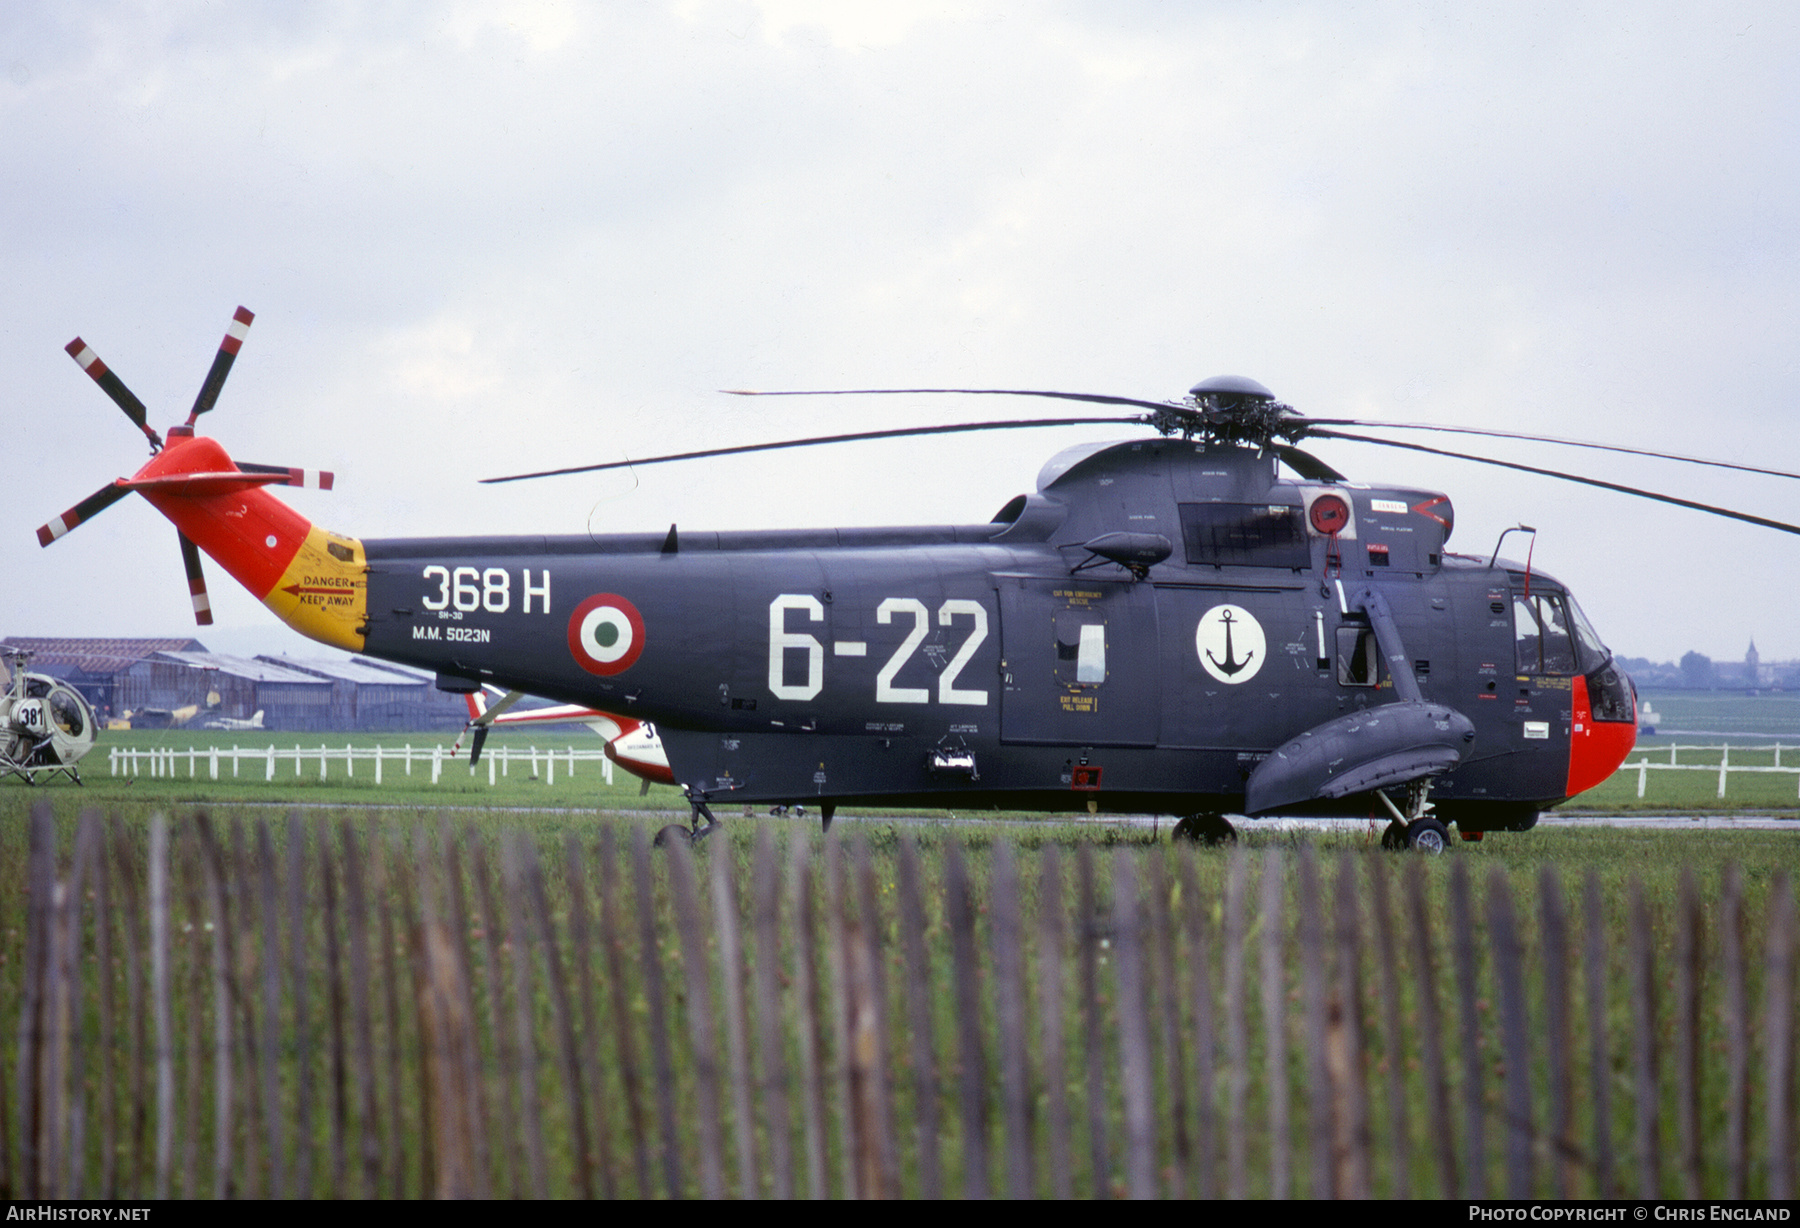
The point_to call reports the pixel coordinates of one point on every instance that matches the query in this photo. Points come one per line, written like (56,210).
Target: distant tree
(1645,672)
(1697,670)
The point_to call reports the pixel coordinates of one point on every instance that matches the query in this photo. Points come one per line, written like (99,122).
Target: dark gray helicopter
(1165,625)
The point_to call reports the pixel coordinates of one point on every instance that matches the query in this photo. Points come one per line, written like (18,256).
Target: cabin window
(65,710)
(1541,634)
(1357,657)
(1245,535)
(1082,645)
(1090,658)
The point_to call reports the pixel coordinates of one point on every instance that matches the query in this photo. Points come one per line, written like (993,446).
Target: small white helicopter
(45,724)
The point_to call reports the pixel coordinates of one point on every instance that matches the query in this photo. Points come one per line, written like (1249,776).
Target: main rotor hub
(1231,409)
(1227,391)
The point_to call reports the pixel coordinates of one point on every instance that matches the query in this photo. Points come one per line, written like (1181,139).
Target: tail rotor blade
(228,349)
(190,559)
(480,729)
(481,721)
(87,509)
(306,479)
(114,387)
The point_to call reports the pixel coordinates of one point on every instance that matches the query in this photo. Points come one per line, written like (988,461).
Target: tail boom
(314,580)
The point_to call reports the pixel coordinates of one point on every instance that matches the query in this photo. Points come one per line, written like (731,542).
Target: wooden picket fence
(323,1009)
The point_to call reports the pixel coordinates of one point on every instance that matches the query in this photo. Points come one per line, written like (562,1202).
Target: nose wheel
(1414,828)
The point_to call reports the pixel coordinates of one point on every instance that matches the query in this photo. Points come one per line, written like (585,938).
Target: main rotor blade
(221,367)
(1309,423)
(190,559)
(499,709)
(87,509)
(818,439)
(481,722)
(1567,477)
(1306,464)
(114,387)
(1092,398)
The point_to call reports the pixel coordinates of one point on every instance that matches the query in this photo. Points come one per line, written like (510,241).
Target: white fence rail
(1724,768)
(156,762)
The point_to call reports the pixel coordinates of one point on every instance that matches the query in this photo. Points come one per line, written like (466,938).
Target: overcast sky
(485,238)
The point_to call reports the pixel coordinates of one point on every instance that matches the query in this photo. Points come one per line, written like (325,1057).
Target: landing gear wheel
(674,833)
(1415,829)
(692,834)
(1427,835)
(1208,829)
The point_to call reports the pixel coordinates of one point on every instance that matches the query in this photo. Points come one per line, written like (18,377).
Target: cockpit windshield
(1541,634)
(65,710)
(1593,651)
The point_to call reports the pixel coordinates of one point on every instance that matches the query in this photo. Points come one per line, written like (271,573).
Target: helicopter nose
(1597,747)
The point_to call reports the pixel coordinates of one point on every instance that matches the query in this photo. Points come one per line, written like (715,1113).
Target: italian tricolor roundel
(606,634)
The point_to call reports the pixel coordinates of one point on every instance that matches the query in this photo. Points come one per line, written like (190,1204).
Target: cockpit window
(1541,634)
(65,710)
(1591,651)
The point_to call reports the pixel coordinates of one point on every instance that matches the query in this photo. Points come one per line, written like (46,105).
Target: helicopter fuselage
(1020,664)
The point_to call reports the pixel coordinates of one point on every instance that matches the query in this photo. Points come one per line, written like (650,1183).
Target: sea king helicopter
(1165,625)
